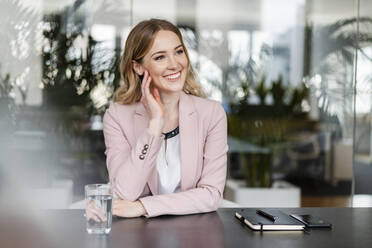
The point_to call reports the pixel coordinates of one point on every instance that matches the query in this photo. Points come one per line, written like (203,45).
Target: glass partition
(284,72)
(362,154)
(293,76)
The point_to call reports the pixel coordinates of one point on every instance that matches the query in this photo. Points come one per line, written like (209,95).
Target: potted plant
(265,128)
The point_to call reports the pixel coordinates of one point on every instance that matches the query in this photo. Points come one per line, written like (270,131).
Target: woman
(165,144)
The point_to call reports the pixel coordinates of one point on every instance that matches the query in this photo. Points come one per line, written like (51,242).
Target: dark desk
(66,228)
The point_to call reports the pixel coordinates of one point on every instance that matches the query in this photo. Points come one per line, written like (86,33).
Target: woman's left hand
(125,208)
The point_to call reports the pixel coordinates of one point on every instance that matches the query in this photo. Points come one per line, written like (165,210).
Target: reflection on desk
(200,230)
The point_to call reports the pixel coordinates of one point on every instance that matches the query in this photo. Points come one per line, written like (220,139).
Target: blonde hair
(138,44)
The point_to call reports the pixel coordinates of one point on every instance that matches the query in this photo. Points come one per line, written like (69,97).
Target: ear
(138,68)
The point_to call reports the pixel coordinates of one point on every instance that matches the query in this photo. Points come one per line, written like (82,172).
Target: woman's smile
(173,77)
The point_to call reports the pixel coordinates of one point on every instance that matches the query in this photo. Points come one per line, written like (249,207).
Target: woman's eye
(159,57)
(180,51)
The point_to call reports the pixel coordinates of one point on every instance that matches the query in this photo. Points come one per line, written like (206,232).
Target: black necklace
(172,133)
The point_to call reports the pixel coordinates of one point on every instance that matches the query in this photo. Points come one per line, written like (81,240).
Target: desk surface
(352,227)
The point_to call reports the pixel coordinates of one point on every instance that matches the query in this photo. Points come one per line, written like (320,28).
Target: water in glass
(100,195)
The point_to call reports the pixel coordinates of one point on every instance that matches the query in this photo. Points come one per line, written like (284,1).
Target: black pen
(266,215)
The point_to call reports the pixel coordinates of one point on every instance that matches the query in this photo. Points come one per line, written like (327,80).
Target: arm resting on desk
(198,200)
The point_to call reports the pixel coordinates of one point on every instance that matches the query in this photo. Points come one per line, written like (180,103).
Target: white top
(169,166)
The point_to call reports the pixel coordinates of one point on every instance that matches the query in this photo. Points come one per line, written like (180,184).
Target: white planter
(281,195)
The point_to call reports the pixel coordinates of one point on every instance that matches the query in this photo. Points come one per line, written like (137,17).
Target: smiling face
(166,62)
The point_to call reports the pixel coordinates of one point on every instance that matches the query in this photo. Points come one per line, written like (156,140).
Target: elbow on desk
(217,203)
(124,192)
(211,206)
(215,200)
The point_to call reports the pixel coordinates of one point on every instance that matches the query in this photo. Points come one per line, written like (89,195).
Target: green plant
(298,95)
(261,90)
(278,92)
(70,73)
(257,169)
(266,126)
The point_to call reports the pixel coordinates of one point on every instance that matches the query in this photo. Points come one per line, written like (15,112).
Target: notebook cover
(282,222)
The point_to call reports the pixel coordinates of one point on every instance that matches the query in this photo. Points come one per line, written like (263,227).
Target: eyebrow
(165,51)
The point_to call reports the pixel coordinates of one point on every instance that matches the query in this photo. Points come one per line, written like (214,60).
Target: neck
(170,102)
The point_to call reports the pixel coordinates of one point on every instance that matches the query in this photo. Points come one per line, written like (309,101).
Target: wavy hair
(137,45)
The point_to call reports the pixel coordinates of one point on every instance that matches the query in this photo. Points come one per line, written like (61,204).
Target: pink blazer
(132,152)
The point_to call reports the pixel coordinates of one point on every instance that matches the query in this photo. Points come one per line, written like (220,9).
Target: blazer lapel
(188,140)
(140,124)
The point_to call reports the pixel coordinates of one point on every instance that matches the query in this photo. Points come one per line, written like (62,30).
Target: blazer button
(144,151)
(141,157)
(146,146)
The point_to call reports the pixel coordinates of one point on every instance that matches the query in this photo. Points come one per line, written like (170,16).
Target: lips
(173,77)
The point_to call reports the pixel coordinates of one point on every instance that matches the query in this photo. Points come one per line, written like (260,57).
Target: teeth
(174,76)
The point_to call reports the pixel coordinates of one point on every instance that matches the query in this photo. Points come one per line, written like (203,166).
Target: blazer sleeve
(208,194)
(128,167)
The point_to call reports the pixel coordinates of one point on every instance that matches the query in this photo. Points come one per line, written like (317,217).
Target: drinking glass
(98,199)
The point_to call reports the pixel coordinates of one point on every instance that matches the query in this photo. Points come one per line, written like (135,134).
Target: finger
(100,214)
(91,205)
(157,95)
(143,83)
(145,75)
(96,219)
(94,210)
(147,96)
(97,216)
(91,216)
(147,88)
(149,80)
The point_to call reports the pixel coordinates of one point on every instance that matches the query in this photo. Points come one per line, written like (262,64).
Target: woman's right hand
(93,212)
(153,105)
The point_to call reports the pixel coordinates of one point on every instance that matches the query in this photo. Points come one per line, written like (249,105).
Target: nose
(172,62)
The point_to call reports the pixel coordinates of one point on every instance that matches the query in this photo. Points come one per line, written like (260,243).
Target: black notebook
(261,223)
